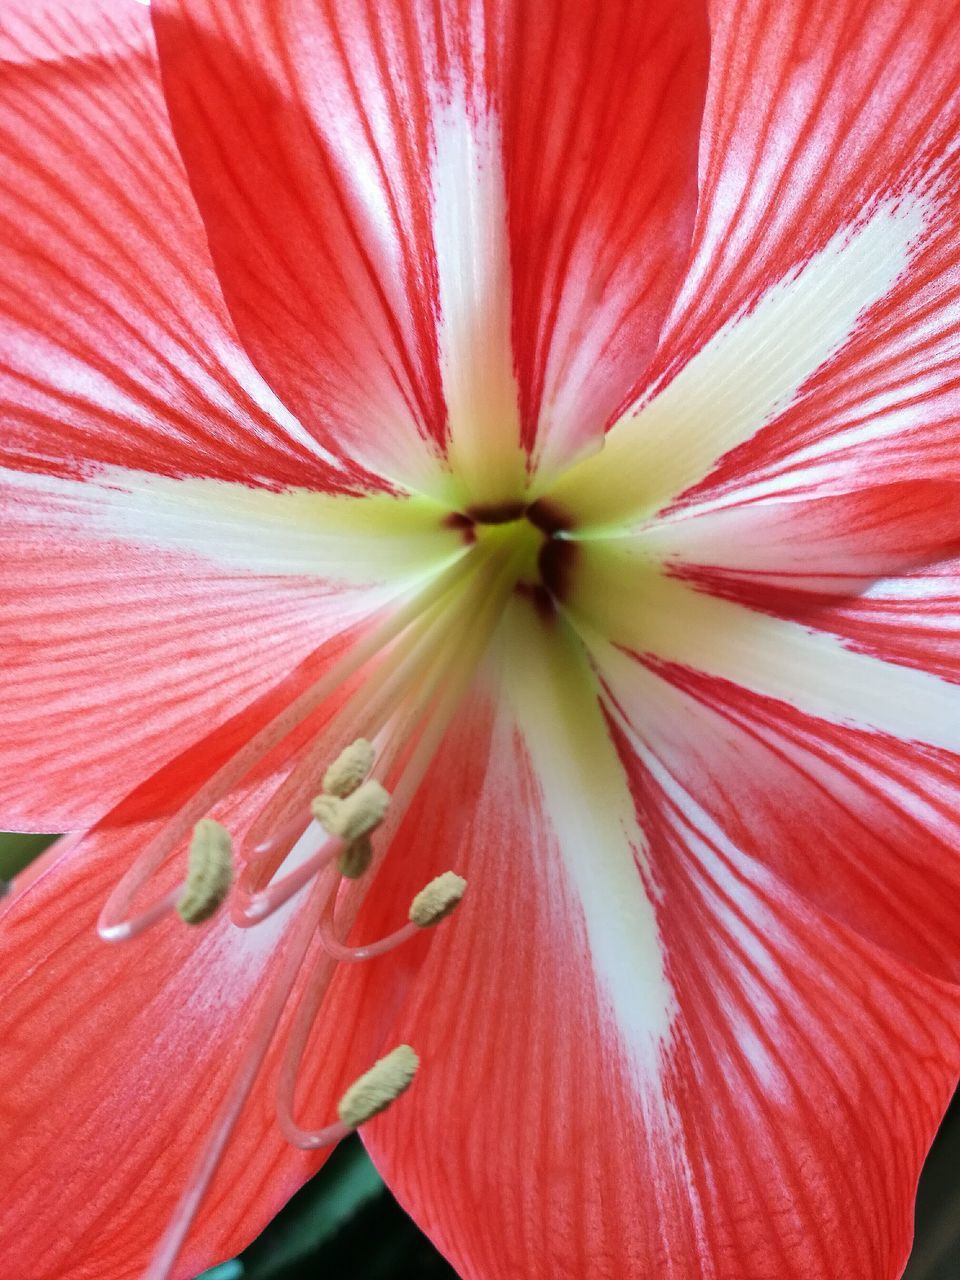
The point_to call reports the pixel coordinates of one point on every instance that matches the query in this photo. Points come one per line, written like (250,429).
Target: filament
(392,682)
(115,924)
(336,948)
(293,950)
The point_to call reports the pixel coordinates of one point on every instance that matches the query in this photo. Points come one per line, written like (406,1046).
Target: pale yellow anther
(355,815)
(209,872)
(377,1088)
(356,858)
(437,899)
(351,767)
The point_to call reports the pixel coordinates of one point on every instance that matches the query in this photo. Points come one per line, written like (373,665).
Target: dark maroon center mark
(496,512)
(556,556)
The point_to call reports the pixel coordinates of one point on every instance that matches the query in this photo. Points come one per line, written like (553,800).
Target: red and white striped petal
(769,551)
(140,612)
(913,619)
(877,567)
(643,1055)
(863,825)
(115,344)
(128,628)
(833,745)
(813,346)
(623,602)
(438,226)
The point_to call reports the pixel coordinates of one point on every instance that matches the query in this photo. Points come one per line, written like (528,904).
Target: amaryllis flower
(564,400)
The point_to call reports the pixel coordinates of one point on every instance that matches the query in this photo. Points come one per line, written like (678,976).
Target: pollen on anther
(354,815)
(356,858)
(351,767)
(209,872)
(377,1088)
(436,900)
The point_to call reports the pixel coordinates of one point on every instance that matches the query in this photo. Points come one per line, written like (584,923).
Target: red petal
(790,154)
(115,345)
(877,567)
(780,1128)
(312,135)
(862,825)
(814,549)
(802,727)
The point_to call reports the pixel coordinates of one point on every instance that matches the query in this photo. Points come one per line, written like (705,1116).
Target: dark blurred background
(345,1224)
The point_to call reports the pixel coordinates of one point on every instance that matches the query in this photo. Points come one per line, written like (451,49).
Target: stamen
(352,819)
(436,901)
(351,767)
(209,872)
(419,693)
(373,1092)
(252,905)
(431,905)
(400,673)
(441,640)
(338,950)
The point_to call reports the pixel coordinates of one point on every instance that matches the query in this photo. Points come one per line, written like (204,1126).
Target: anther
(436,900)
(209,872)
(355,859)
(352,818)
(377,1088)
(355,815)
(351,767)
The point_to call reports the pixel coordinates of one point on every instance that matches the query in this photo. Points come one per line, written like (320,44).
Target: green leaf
(18,851)
(346,1183)
(226,1271)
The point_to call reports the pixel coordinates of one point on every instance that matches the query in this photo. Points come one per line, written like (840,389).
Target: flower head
(490,445)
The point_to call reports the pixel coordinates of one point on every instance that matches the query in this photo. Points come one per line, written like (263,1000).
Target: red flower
(312,324)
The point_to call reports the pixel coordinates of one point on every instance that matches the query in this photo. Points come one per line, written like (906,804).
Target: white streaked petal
(588,802)
(652,614)
(473,267)
(349,540)
(745,376)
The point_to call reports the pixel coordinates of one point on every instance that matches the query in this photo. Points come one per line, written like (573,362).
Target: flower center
(537,530)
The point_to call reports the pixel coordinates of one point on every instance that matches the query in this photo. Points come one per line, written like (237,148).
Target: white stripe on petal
(357,541)
(473,266)
(813,671)
(588,804)
(745,376)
